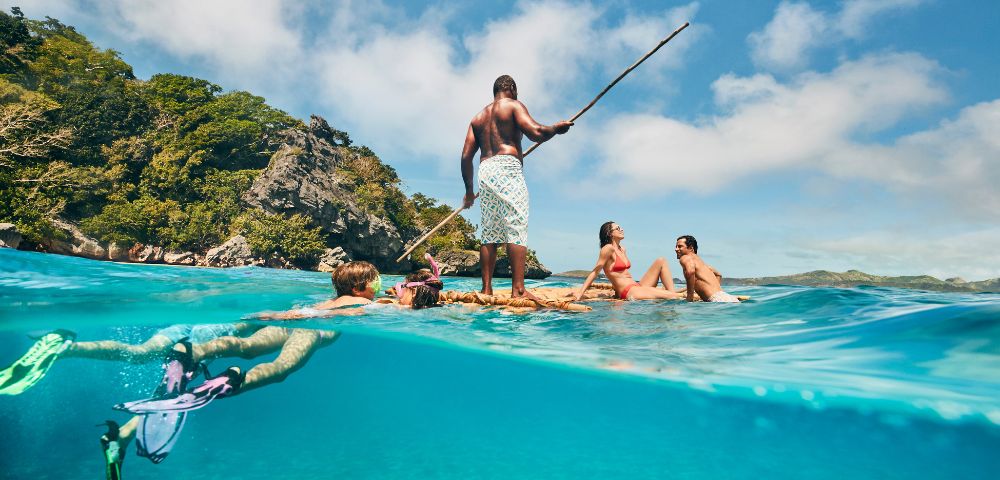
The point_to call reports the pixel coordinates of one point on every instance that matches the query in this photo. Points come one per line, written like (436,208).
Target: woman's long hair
(605,233)
(425,295)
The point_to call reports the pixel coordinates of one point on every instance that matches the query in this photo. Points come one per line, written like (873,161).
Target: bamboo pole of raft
(533,147)
(483,299)
(612,84)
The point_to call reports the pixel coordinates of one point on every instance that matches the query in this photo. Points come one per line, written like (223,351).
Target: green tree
(146,220)
(177,94)
(126,159)
(165,161)
(96,89)
(457,234)
(25,130)
(233,130)
(275,235)
(17,45)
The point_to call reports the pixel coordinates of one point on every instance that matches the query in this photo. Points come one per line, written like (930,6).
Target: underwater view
(797,382)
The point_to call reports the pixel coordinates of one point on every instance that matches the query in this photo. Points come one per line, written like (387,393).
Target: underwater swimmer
(355,283)
(159,418)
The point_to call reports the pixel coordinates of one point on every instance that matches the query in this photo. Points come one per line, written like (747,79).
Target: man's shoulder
(480,115)
(342,301)
(509,104)
(331,303)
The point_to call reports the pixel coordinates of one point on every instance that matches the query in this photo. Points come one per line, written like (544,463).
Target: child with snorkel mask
(420,289)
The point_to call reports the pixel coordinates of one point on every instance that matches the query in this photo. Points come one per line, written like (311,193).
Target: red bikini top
(619,265)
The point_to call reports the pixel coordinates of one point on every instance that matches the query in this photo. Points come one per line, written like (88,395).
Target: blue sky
(786,136)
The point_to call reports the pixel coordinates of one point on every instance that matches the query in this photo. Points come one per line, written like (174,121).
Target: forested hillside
(164,161)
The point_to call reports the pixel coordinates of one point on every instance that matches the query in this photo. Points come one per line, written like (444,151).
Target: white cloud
(958,161)
(415,88)
(970,254)
(231,34)
(786,41)
(856,15)
(228,34)
(405,81)
(806,123)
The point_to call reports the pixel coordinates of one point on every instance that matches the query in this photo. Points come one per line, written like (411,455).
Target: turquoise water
(798,383)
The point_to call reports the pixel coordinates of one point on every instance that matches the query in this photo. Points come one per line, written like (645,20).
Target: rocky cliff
(301,179)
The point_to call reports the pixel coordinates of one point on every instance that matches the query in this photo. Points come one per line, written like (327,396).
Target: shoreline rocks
(140,253)
(78,244)
(234,253)
(180,258)
(9,236)
(465,263)
(331,259)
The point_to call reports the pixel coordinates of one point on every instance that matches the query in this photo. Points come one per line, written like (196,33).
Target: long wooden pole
(533,147)
(428,234)
(612,84)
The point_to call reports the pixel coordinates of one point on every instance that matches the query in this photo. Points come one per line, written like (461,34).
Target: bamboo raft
(551,297)
(452,296)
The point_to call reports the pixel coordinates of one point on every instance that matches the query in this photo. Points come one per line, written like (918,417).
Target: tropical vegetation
(163,161)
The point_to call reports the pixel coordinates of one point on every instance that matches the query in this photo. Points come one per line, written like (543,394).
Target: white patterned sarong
(723,297)
(503,197)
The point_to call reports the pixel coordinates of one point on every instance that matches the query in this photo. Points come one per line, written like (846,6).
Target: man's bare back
(495,129)
(698,275)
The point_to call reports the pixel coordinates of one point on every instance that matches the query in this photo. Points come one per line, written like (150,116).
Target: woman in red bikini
(616,265)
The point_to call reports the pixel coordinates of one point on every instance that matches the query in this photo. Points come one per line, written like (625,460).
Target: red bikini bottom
(624,294)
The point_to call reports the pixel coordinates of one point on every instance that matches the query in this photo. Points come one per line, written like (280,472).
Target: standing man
(496,131)
(699,276)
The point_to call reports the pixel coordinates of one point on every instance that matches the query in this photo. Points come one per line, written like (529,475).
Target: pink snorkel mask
(398,288)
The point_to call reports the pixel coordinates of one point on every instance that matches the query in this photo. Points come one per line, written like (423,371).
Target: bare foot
(527,295)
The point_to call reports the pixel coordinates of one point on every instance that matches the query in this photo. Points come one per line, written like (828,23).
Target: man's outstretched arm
(535,131)
(468,153)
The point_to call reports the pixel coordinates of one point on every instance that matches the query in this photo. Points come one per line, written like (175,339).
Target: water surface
(799,382)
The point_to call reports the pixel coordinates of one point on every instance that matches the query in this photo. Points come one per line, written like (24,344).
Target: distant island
(575,274)
(854,278)
(848,279)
